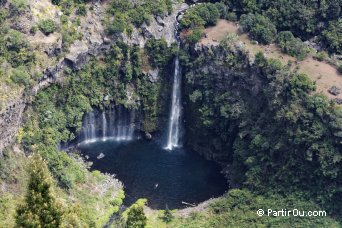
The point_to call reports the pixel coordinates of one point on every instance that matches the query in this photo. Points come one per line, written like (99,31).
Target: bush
(15,40)
(82,10)
(231,16)
(201,15)
(47,26)
(195,36)
(292,46)
(117,25)
(20,76)
(284,37)
(18,7)
(321,56)
(260,28)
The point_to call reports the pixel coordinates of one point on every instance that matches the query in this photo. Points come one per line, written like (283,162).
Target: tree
(332,37)
(168,216)
(259,27)
(136,217)
(40,208)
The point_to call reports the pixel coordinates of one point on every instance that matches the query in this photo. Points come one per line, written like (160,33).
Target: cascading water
(116,123)
(104,125)
(174,129)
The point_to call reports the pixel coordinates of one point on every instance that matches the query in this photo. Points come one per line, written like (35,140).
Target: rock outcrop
(10,119)
(160,27)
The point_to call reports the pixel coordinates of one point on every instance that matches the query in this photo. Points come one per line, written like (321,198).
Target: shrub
(20,76)
(201,15)
(195,36)
(321,56)
(340,69)
(117,25)
(15,40)
(82,10)
(284,37)
(231,16)
(292,46)
(259,27)
(18,7)
(47,26)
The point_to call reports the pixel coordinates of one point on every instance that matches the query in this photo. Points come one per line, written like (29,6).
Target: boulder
(334,90)
(153,75)
(77,56)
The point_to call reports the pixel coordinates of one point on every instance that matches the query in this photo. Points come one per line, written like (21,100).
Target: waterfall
(173,136)
(115,123)
(104,125)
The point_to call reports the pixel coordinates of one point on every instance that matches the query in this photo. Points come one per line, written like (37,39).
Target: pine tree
(136,217)
(168,217)
(39,208)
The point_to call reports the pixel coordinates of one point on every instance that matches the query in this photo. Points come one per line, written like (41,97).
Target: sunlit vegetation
(123,15)
(281,139)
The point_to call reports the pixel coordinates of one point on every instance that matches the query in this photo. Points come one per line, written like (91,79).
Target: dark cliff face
(219,83)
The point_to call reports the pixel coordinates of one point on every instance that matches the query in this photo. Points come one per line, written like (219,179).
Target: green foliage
(68,6)
(276,135)
(135,215)
(239,209)
(47,26)
(159,53)
(15,48)
(123,14)
(20,76)
(69,32)
(200,16)
(321,56)
(168,216)
(194,35)
(18,7)
(303,18)
(332,36)
(40,208)
(260,28)
(292,46)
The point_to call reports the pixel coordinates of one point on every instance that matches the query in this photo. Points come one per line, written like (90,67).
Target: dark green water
(161,176)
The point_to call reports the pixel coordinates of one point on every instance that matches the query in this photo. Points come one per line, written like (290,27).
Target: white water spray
(115,124)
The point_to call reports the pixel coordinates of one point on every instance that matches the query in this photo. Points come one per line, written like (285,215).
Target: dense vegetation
(123,15)
(16,56)
(40,208)
(238,209)
(304,18)
(265,121)
(262,20)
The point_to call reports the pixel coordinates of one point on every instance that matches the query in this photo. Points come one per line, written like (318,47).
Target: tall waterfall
(116,123)
(174,129)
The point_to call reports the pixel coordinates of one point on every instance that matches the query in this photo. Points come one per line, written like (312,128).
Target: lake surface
(163,177)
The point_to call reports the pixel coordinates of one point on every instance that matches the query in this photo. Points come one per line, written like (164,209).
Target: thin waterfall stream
(174,129)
